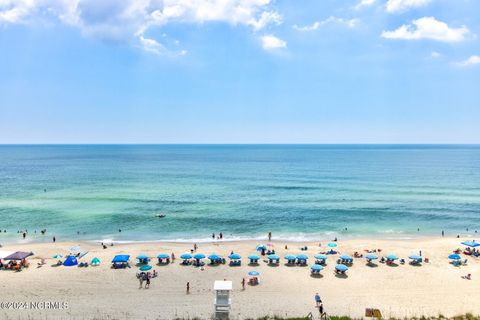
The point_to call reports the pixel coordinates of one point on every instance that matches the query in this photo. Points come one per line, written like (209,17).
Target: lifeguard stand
(222,302)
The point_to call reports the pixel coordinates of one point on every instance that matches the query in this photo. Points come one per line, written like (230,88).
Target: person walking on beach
(195,247)
(140,280)
(269,236)
(243,283)
(147,284)
(443,233)
(318,300)
(188,287)
(321,311)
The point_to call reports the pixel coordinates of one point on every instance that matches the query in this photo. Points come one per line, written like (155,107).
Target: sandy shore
(103,293)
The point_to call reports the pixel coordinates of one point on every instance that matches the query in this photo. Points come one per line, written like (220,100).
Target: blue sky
(239,71)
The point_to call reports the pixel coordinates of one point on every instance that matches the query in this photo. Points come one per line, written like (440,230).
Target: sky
(239,71)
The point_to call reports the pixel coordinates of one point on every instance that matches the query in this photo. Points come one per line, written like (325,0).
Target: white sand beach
(101,292)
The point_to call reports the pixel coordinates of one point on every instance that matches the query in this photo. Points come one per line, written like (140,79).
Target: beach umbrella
(415,257)
(214,257)
(145,267)
(273,257)
(234,256)
(254,273)
(163,256)
(186,256)
(253,257)
(95,261)
(332,245)
(472,244)
(346,257)
(454,256)
(341,267)
(261,247)
(321,256)
(302,257)
(290,257)
(316,267)
(392,257)
(371,256)
(142,257)
(199,256)
(57,256)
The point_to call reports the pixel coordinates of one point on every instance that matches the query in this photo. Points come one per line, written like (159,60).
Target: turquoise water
(295,191)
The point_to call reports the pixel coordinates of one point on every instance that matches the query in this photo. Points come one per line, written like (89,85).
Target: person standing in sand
(188,287)
(269,236)
(318,300)
(243,283)
(54,239)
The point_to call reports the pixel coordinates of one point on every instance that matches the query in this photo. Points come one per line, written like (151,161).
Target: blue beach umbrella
(186,256)
(142,257)
(346,257)
(290,257)
(254,273)
(199,256)
(273,257)
(145,267)
(253,257)
(371,256)
(316,267)
(261,247)
(302,257)
(472,244)
(321,256)
(163,256)
(415,257)
(214,257)
(392,257)
(454,256)
(235,256)
(332,245)
(341,267)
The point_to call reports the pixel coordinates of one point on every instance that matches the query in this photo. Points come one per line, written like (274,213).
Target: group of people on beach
(145,277)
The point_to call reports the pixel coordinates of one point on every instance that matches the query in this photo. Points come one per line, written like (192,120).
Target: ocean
(297,192)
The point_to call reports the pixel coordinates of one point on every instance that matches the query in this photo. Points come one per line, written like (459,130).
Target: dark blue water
(295,191)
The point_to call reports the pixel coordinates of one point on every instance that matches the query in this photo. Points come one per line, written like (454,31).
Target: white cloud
(435,54)
(403,5)
(365,3)
(428,28)
(129,20)
(151,45)
(473,60)
(351,23)
(270,42)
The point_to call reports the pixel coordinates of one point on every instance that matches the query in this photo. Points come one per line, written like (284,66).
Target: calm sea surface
(295,191)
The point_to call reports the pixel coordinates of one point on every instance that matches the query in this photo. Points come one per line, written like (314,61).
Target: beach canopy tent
(4,254)
(371,256)
(316,267)
(121,258)
(19,255)
(472,244)
(454,256)
(95,261)
(75,249)
(162,256)
(261,247)
(143,259)
(234,256)
(70,261)
(341,267)
(186,256)
(332,245)
(346,257)
(391,257)
(145,267)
